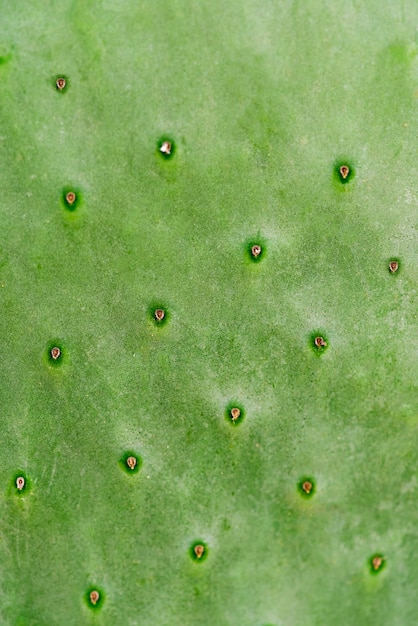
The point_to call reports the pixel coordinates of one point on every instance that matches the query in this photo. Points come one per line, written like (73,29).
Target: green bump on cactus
(166,147)
(319,342)
(199,551)
(256,250)
(95,598)
(394,266)
(21,483)
(344,171)
(159,314)
(377,563)
(306,487)
(61,83)
(235,413)
(55,352)
(190,133)
(130,462)
(71,198)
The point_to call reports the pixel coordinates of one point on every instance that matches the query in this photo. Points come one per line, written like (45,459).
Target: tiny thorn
(377,562)
(131,462)
(166,147)
(199,550)
(235,413)
(344,171)
(320,342)
(55,353)
(70,197)
(20,482)
(307,487)
(60,83)
(94,597)
(256,251)
(393,266)
(159,314)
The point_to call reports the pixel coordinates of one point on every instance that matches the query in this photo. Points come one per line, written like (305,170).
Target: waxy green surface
(263,103)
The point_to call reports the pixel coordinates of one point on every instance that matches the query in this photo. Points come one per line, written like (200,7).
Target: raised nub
(94,597)
(70,198)
(55,353)
(20,482)
(60,83)
(166,147)
(199,550)
(377,563)
(235,414)
(256,251)
(320,342)
(131,462)
(393,266)
(307,487)
(344,171)
(159,314)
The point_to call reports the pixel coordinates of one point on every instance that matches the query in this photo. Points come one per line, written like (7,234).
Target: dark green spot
(306,486)
(94,598)
(377,562)
(234,413)
(130,462)
(199,551)
(344,171)
(255,250)
(61,83)
(159,314)
(21,483)
(71,198)
(55,353)
(166,147)
(394,266)
(319,342)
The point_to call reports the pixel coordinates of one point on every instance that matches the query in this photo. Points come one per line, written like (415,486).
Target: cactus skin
(262,101)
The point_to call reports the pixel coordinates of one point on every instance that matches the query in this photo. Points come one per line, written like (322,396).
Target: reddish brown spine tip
(307,487)
(70,197)
(393,266)
(94,597)
(159,314)
(344,171)
(61,83)
(256,251)
(166,147)
(131,462)
(377,563)
(55,353)
(20,482)
(199,551)
(235,413)
(320,342)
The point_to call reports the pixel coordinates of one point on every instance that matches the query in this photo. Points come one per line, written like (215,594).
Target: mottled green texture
(263,99)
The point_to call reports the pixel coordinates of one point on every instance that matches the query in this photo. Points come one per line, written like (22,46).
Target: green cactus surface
(208,313)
